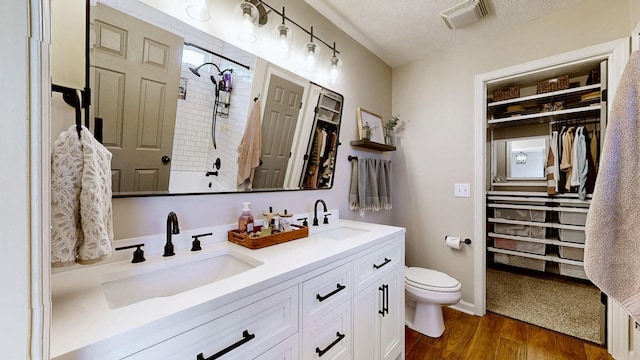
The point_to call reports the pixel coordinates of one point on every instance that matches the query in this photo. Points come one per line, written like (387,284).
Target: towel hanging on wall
(81,213)
(250,148)
(370,188)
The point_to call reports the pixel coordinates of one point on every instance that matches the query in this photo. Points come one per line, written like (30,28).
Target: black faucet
(315,211)
(172,228)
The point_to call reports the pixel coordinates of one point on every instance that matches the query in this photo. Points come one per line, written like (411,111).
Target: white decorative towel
(95,201)
(81,215)
(612,247)
(250,148)
(66,180)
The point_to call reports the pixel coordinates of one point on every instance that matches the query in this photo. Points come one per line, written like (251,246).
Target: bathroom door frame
(617,54)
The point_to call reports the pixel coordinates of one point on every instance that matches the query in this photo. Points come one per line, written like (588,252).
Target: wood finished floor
(496,337)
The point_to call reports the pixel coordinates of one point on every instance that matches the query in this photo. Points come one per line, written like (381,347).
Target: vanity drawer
(286,350)
(244,333)
(330,337)
(324,292)
(371,266)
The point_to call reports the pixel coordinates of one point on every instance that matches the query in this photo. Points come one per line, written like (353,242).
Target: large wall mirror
(179,110)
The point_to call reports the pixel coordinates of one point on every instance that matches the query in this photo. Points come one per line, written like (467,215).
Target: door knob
(166,159)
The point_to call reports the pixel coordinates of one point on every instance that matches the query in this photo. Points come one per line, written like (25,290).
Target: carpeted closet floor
(565,306)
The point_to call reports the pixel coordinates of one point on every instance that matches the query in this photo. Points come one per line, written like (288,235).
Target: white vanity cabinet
(313,298)
(378,306)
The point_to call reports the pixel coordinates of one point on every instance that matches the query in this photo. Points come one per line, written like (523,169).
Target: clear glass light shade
(197,10)
(311,55)
(247,31)
(283,38)
(335,65)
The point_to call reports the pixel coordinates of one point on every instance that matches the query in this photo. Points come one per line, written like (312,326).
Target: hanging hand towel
(95,201)
(354,198)
(368,185)
(250,148)
(66,182)
(612,247)
(384,184)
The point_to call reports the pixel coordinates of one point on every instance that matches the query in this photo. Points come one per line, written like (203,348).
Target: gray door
(279,122)
(135,71)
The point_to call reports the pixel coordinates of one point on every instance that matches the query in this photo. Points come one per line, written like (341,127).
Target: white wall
(436,95)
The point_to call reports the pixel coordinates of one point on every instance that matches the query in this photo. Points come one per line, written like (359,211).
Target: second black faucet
(172,228)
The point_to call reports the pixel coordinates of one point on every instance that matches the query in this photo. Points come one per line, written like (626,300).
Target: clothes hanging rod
(218,55)
(299,26)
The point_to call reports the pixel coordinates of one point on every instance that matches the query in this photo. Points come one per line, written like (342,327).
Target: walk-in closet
(544,134)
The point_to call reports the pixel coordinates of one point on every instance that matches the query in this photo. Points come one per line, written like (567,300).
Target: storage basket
(538,232)
(570,235)
(575,271)
(520,245)
(520,261)
(507,93)
(573,218)
(520,214)
(572,253)
(555,84)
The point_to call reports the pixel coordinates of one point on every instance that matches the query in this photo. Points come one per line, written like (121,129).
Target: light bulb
(246,33)
(334,69)
(311,64)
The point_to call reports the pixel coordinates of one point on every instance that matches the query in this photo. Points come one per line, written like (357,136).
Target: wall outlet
(462,190)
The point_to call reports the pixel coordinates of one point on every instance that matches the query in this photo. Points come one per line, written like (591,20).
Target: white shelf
(545,95)
(536,240)
(545,116)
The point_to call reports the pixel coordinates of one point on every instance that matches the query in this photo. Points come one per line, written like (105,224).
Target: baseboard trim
(465,307)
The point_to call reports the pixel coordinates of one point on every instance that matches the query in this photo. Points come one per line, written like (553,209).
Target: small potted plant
(388,129)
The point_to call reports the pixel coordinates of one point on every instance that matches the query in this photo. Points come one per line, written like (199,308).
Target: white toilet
(426,291)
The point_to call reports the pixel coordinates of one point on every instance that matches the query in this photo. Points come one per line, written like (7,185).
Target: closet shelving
(526,227)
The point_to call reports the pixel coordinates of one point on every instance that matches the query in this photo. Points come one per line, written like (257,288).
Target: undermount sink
(173,276)
(341,232)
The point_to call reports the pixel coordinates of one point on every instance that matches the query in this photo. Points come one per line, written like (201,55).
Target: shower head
(195,71)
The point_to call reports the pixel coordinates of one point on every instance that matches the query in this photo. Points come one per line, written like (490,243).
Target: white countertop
(83,319)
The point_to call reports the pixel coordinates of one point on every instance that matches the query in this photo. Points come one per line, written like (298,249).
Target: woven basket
(507,93)
(555,84)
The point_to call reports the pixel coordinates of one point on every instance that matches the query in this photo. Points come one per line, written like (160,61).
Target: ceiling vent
(464,14)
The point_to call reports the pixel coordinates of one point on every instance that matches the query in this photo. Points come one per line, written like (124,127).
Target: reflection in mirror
(175,103)
(520,158)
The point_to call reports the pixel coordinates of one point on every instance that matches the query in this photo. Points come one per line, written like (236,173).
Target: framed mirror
(176,104)
(519,159)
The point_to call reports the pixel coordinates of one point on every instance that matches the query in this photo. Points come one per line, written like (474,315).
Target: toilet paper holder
(466,241)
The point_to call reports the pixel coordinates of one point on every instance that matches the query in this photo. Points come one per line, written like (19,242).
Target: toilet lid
(430,279)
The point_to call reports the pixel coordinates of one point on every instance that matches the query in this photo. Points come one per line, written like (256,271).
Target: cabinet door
(366,326)
(391,324)
(330,337)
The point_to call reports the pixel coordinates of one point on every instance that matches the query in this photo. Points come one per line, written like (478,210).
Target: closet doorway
(527,245)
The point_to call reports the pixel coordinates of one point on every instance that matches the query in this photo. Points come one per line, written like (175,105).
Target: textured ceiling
(401,31)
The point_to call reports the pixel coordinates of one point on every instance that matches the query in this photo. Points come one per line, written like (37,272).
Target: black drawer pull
(323,298)
(246,337)
(322,352)
(386,261)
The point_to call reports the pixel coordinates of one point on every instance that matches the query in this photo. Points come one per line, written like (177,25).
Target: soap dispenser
(245,221)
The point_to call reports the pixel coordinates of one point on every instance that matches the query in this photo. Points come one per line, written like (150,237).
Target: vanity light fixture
(335,64)
(197,10)
(253,14)
(521,158)
(312,52)
(283,38)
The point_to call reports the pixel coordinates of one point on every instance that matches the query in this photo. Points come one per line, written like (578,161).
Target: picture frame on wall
(373,121)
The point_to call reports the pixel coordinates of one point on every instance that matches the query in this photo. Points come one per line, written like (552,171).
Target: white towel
(612,248)
(66,180)
(81,215)
(95,201)
(250,148)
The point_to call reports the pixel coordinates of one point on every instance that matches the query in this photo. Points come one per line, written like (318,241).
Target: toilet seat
(432,280)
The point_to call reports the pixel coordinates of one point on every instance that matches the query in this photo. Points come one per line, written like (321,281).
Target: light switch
(462,190)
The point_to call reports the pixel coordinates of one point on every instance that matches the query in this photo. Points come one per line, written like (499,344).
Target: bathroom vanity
(336,294)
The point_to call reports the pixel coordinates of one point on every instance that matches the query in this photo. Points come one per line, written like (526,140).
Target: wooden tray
(256,243)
